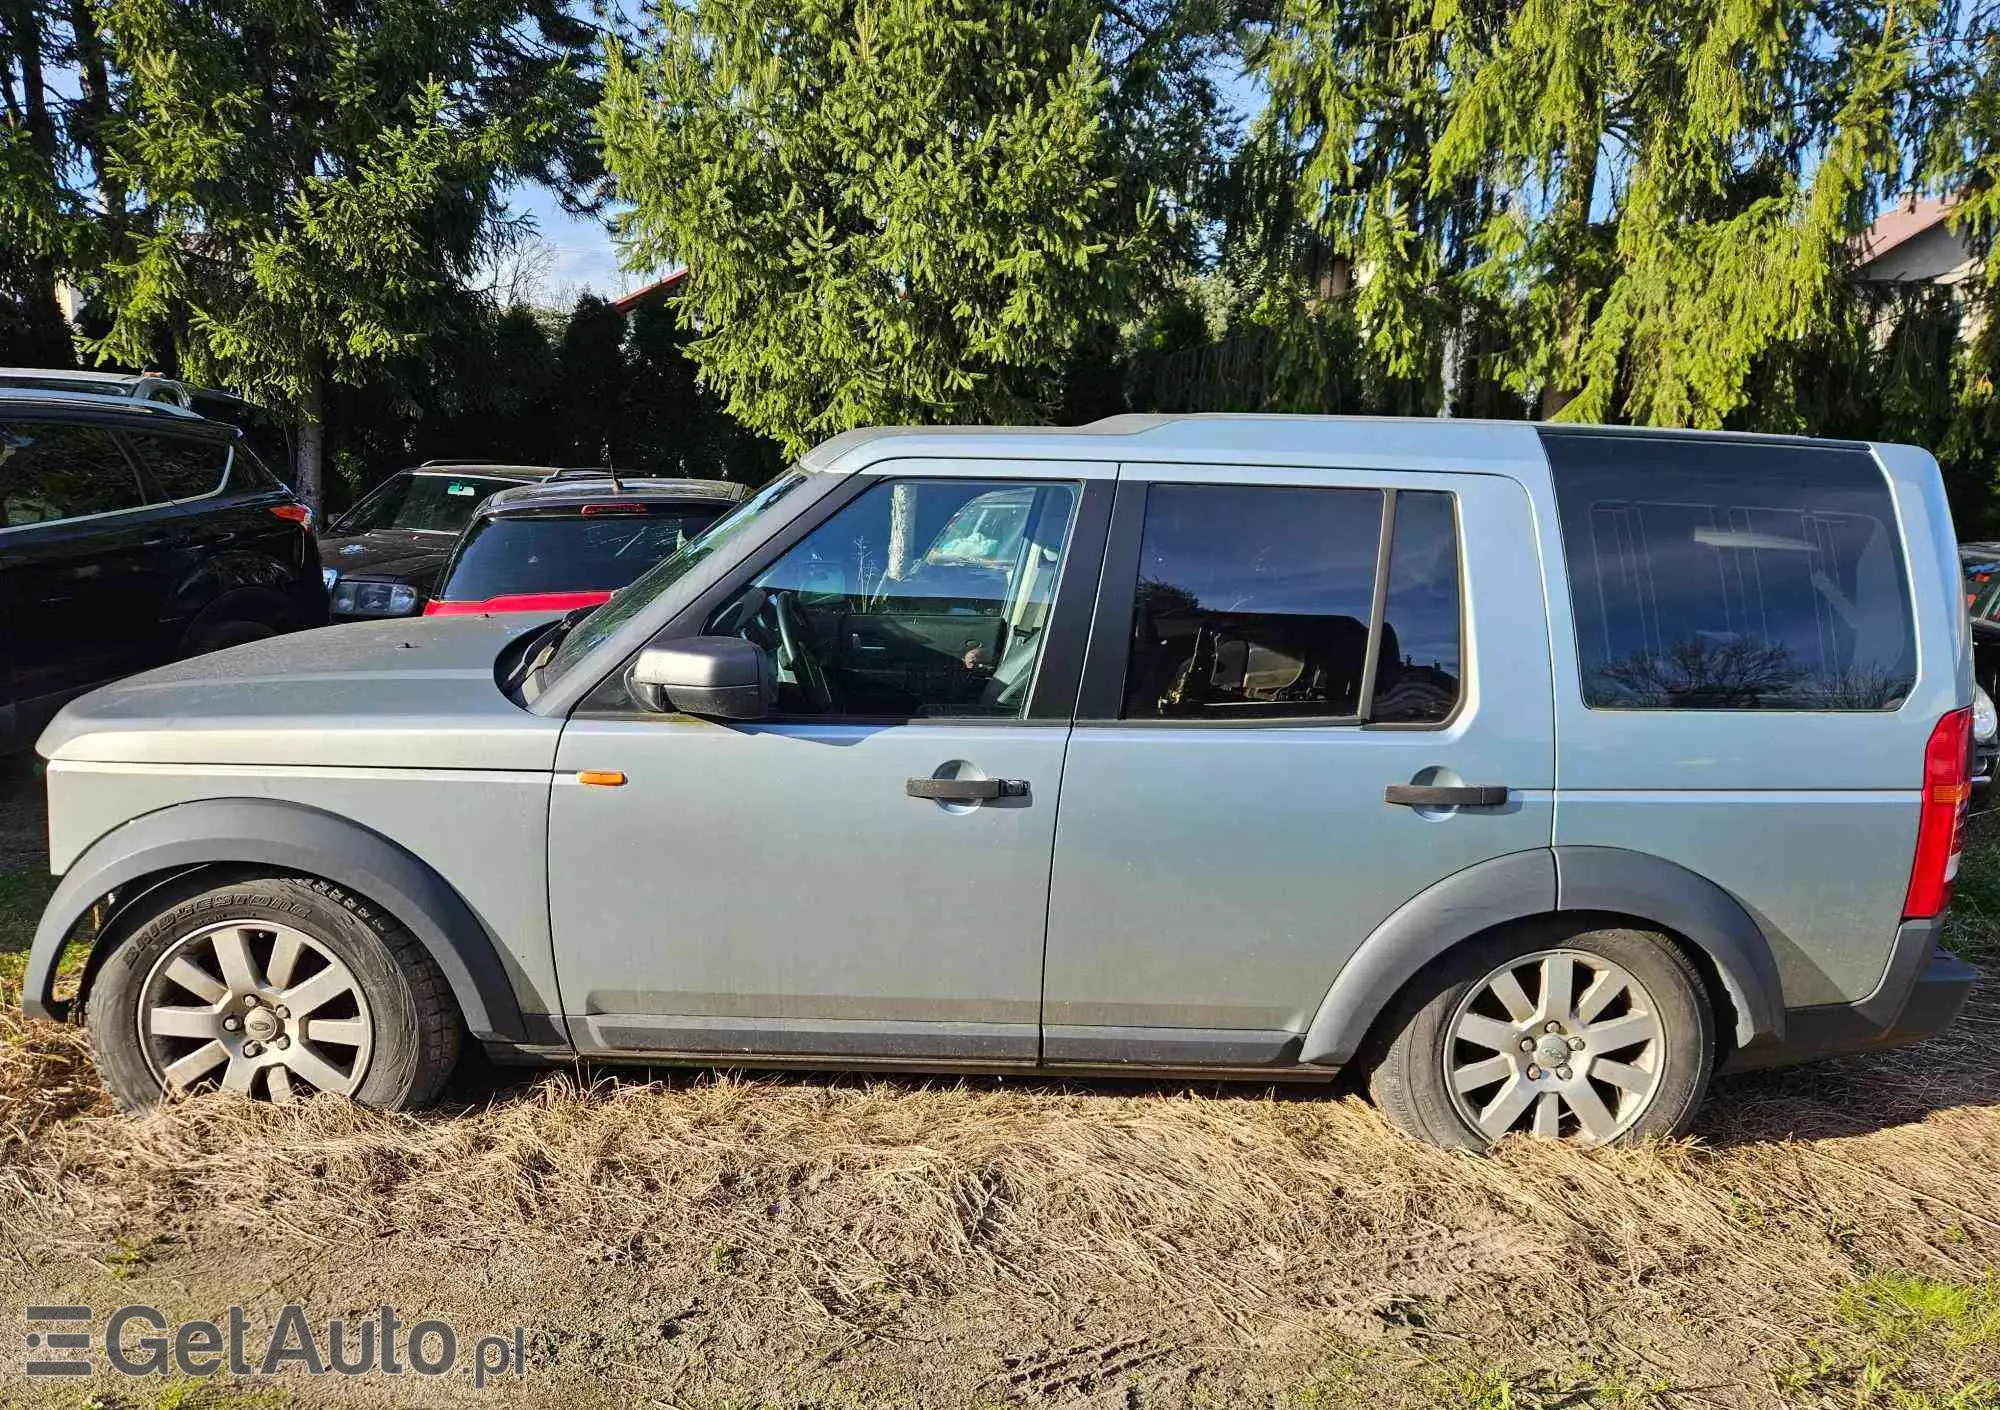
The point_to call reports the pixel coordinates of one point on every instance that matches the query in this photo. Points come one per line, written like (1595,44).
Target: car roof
(573,493)
(1226,438)
(38,401)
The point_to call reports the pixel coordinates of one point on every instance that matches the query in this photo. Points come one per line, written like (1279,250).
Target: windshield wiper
(554,640)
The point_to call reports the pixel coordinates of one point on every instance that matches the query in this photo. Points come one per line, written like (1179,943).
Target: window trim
(131,436)
(1101,703)
(1052,697)
(140,480)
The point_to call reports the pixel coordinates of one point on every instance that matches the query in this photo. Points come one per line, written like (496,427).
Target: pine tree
(313,181)
(891,210)
(1643,200)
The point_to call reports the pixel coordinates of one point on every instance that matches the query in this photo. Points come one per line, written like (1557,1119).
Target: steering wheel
(791,631)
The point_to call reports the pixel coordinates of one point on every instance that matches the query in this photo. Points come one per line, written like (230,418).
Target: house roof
(658,289)
(1907,220)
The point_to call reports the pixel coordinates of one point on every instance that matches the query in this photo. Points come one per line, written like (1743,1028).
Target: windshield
(625,604)
(431,504)
(538,553)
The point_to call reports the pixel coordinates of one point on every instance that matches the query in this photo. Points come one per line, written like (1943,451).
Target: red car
(572,540)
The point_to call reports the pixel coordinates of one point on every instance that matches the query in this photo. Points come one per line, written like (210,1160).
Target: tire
(231,631)
(1611,1083)
(378,1023)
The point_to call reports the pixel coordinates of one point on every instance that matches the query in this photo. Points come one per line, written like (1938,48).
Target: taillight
(590,509)
(296,513)
(1941,815)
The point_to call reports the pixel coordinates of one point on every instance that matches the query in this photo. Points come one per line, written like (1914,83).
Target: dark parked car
(134,532)
(383,555)
(572,541)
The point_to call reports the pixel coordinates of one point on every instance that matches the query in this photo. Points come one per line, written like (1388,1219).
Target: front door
(1228,837)
(865,873)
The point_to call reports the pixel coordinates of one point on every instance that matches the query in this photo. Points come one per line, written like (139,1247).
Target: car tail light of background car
(519,602)
(1941,815)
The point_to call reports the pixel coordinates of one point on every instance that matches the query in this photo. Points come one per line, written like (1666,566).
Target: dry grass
(1830,1239)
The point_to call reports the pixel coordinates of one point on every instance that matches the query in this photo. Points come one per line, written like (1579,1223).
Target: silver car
(1536,772)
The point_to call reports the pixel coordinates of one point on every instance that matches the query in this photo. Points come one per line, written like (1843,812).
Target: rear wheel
(1597,1037)
(232,631)
(277,989)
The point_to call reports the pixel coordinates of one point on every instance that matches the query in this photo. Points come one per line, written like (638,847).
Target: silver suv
(1537,772)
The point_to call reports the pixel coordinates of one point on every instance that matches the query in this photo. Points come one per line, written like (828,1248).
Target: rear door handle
(1425,795)
(966,790)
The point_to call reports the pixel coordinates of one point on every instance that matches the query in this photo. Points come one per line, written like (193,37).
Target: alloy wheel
(1557,1043)
(258,1008)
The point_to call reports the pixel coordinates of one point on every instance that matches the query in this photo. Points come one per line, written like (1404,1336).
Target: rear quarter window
(184,467)
(1732,575)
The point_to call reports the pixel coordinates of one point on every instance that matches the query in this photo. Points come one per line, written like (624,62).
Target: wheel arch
(255,602)
(232,836)
(1590,885)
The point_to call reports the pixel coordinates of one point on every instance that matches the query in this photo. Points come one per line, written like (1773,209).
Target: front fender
(295,840)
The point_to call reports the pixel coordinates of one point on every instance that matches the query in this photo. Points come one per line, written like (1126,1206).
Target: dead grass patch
(1829,1239)
(1042,1242)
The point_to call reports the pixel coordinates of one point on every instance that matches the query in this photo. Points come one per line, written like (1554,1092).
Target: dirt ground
(1830,1237)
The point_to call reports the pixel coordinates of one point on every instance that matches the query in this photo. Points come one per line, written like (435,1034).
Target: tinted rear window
(183,467)
(568,553)
(1732,575)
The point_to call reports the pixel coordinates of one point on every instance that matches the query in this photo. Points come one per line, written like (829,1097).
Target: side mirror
(721,677)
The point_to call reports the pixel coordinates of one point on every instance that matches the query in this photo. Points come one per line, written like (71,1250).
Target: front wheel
(276,988)
(1596,1037)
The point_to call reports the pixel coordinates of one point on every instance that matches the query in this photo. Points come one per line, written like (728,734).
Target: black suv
(134,532)
(383,555)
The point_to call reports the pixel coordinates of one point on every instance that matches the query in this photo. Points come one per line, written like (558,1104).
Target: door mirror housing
(719,677)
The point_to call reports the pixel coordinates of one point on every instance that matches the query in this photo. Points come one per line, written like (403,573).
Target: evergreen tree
(891,210)
(313,181)
(1627,207)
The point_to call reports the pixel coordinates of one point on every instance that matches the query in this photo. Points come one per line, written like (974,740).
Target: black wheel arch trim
(1531,885)
(296,840)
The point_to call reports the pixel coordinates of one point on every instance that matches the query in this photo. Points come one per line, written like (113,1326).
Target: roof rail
(58,397)
(70,381)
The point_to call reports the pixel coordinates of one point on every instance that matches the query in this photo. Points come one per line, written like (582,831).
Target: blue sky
(585,256)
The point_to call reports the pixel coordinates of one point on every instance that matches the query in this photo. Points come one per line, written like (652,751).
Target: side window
(922,598)
(184,468)
(1417,670)
(1252,602)
(1732,575)
(50,471)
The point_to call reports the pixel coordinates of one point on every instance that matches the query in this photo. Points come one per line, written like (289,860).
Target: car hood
(388,553)
(411,694)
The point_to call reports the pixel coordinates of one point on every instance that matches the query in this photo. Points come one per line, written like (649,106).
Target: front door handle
(1427,795)
(966,790)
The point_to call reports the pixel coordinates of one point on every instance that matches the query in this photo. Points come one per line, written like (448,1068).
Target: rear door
(1274,649)
(89,561)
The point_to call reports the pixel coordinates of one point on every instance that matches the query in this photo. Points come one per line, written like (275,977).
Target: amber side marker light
(601,778)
